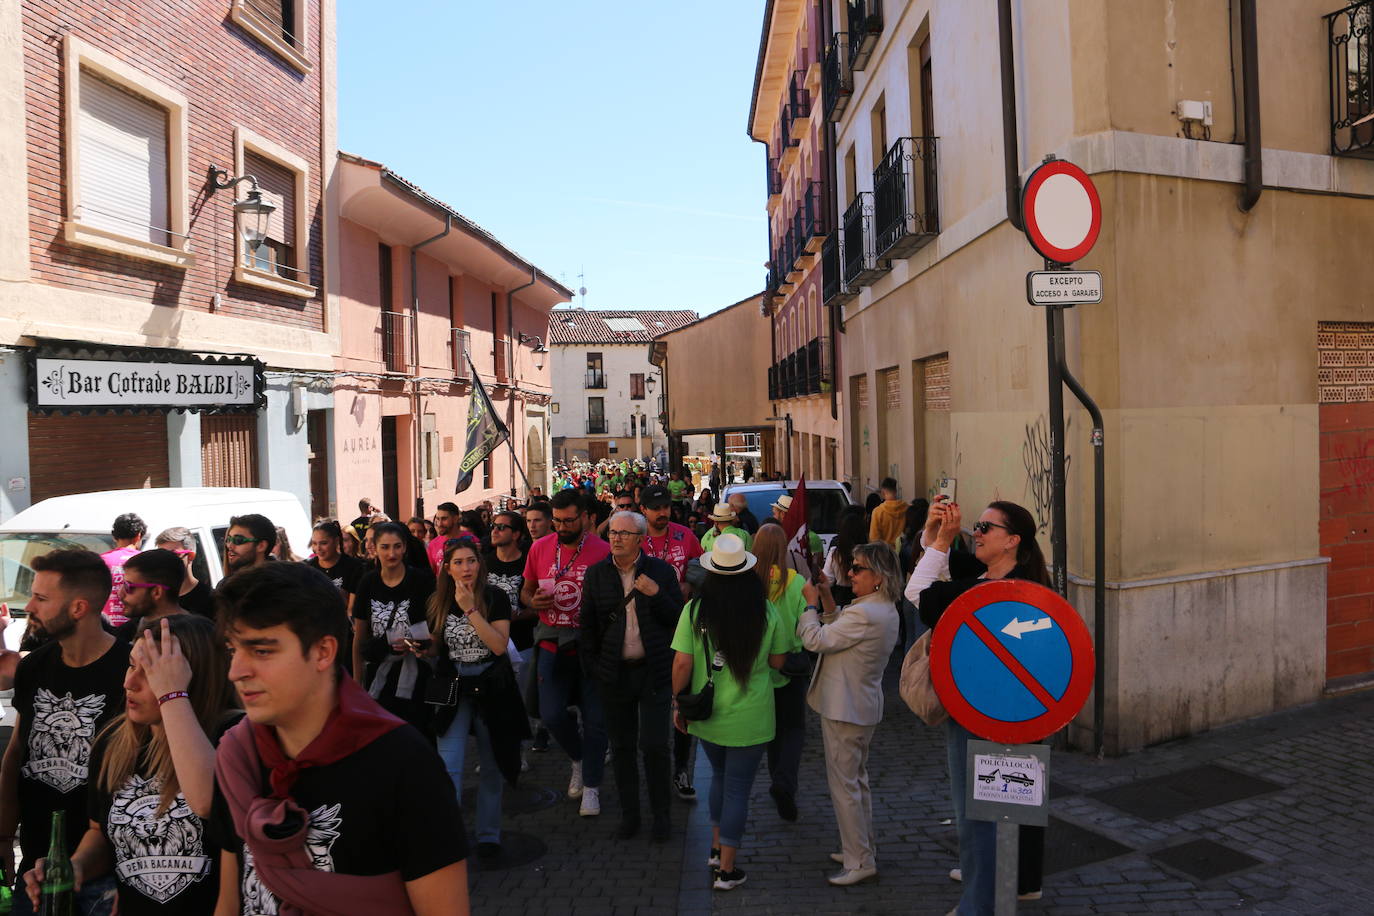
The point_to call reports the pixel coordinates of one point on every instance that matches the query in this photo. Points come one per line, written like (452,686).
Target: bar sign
(1063,287)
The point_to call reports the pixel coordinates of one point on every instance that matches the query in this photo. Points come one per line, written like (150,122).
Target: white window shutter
(278,185)
(122,156)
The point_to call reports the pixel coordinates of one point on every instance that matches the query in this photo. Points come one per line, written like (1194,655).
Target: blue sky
(587,136)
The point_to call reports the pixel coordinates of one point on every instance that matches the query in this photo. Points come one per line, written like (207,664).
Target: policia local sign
(71,380)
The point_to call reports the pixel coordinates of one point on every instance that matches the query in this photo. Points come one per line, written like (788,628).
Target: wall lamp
(253,209)
(539,350)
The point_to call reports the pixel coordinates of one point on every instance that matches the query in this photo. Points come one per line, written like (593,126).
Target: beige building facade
(1230,355)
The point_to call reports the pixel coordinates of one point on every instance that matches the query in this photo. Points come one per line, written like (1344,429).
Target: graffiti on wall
(1037,455)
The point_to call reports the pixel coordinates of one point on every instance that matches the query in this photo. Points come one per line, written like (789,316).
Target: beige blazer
(853,652)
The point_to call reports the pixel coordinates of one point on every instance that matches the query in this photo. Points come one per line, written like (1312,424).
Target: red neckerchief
(355,723)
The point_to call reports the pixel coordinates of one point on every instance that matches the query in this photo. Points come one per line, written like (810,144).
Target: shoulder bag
(915,686)
(697,706)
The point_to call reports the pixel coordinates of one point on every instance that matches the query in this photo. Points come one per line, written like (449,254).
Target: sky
(596,139)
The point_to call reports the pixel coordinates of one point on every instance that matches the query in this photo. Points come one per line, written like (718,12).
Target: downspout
(832,220)
(1010,154)
(1249,63)
(510,349)
(415,357)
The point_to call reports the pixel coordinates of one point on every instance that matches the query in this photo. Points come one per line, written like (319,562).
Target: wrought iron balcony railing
(812,213)
(773,394)
(803,363)
(837,82)
(821,361)
(865,25)
(774,177)
(905,198)
(395,342)
(596,378)
(1351,33)
(861,265)
(596,426)
(833,289)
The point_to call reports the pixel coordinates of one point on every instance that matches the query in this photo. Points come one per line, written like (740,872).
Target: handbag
(798,664)
(915,686)
(445,685)
(696,707)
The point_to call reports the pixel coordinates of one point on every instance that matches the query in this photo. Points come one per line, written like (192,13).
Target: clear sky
(601,137)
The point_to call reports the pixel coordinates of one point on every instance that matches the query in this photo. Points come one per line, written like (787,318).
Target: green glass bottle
(58,890)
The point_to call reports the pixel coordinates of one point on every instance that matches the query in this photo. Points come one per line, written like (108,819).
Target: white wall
(568,367)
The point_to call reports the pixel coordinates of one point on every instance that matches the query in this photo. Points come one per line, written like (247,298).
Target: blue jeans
(556,684)
(732,778)
(977,839)
(453,749)
(96,898)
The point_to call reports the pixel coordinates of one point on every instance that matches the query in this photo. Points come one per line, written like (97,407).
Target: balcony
(837,82)
(596,426)
(905,198)
(774,179)
(818,364)
(460,350)
(797,261)
(860,264)
(796,108)
(773,394)
(811,213)
(1352,99)
(865,25)
(833,289)
(395,342)
(596,378)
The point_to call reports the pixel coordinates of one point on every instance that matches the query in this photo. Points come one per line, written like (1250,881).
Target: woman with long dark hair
(730,635)
(178,702)
(470,622)
(1004,543)
(388,617)
(851,531)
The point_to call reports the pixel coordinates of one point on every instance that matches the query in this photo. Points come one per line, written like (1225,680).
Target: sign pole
(1008,835)
(1054,334)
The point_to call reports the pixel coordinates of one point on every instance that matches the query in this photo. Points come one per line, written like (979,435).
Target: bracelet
(812,607)
(174,695)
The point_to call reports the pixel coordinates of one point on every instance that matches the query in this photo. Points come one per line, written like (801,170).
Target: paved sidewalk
(1307,835)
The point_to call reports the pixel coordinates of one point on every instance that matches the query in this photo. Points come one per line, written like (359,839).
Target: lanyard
(649,545)
(558,571)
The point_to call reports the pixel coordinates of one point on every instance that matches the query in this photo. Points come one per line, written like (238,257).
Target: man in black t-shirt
(152,581)
(506,570)
(64,693)
(195,592)
(313,735)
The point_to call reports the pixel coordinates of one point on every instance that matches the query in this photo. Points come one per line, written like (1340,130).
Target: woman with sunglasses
(1004,543)
(470,619)
(852,646)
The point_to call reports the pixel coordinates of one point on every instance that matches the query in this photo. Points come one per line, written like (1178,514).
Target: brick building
(115,246)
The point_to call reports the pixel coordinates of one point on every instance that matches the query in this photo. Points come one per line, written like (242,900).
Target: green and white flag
(485,432)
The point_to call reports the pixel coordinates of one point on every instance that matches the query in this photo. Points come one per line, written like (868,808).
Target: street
(1307,838)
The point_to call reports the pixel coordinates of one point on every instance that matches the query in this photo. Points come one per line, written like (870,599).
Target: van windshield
(823,506)
(17,550)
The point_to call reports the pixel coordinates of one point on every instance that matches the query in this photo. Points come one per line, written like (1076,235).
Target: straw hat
(723,512)
(784,503)
(728,557)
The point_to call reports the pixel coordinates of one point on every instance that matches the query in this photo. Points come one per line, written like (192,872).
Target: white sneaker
(956,874)
(591,802)
(575,781)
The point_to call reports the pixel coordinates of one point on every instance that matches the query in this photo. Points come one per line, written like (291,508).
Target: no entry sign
(1011,661)
(1061,211)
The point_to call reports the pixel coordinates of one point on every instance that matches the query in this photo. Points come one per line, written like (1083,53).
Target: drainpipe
(510,349)
(1249,54)
(415,356)
(1010,154)
(832,218)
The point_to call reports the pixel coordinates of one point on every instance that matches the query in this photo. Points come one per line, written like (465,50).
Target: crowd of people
(218,750)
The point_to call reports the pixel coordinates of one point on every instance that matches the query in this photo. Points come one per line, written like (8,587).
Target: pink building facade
(430,302)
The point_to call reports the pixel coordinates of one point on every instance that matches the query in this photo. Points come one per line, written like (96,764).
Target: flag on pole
(794,524)
(485,432)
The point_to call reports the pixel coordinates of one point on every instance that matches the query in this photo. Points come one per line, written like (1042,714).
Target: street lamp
(253,211)
(539,351)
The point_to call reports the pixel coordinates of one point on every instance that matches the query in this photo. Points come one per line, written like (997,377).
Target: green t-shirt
(739,718)
(789,602)
(709,537)
(677,489)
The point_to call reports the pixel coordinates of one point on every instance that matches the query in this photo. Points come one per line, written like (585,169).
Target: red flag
(794,524)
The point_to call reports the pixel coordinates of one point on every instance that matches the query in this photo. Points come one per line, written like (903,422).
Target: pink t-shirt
(435,550)
(115,560)
(567,565)
(676,547)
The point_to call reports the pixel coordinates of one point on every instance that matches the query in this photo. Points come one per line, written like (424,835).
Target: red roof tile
(598,326)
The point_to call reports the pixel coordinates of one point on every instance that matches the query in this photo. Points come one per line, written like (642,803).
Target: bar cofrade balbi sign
(62,381)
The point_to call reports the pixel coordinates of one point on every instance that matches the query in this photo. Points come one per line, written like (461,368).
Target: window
(596,375)
(878,131)
(429,432)
(596,416)
(278,24)
(282,261)
(125,142)
(486,473)
(636,386)
(851,174)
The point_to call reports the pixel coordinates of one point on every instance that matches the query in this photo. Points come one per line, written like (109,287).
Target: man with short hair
(539,519)
(195,594)
(152,582)
(678,489)
(624,501)
(889,516)
(630,607)
(446,526)
(747,520)
(64,694)
(554,571)
(318,778)
(248,542)
(128,532)
(723,520)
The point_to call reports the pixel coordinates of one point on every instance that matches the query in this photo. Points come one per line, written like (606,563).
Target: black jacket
(603,619)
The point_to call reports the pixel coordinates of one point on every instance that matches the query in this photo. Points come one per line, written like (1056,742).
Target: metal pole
(1054,326)
(1005,899)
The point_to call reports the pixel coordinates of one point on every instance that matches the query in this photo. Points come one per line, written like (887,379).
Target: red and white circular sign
(1062,212)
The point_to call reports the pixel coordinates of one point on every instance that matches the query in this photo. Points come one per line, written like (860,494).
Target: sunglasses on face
(858,568)
(502,527)
(985,527)
(625,506)
(127,586)
(238,540)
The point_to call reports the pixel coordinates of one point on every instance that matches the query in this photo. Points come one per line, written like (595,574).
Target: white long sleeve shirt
(932,567)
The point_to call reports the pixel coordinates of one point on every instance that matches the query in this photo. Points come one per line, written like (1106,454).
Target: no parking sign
(1011,661)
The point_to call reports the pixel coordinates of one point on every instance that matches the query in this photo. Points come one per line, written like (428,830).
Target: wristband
(174,695)
(812,607)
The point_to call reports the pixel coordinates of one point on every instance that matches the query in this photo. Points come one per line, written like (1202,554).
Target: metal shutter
(123,162)
(76,454)
(229,450)
(278,184)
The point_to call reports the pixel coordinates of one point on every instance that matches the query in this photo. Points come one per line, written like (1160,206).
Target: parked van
(824,500)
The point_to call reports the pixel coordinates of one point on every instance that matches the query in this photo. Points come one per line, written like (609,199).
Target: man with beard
(152,582)
(554,571)
(64,693)
(446,524)
(248,542)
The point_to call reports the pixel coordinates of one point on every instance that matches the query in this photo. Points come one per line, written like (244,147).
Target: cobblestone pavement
(1310,835)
